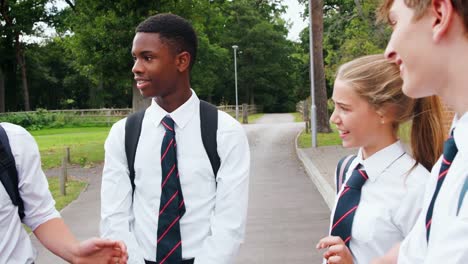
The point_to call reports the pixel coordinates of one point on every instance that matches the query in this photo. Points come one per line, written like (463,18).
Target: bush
(30,120)
(42,118)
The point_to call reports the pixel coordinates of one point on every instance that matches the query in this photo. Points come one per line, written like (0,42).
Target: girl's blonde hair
(378,81)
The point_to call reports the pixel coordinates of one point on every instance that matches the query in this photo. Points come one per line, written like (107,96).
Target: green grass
(297,117)
(86,145)
(73,189)
(323,139)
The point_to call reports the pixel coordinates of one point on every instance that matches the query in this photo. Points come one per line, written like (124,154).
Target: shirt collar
(460,133)
(181,115)
(376,164)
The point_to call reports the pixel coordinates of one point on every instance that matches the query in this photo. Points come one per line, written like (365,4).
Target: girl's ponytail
(427,132)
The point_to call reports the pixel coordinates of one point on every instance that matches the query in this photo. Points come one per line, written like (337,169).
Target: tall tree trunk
(323,124)
(252,97)
(22,64)
(138,101)
(2,91)
(247,94)
(96,94)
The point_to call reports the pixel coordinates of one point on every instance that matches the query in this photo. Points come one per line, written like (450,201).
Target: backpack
(341,169)
(8,172)
(208,126)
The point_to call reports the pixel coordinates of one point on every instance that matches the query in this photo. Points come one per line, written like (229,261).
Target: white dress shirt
(213,226)
(387,210)
(448,241)
(39,206)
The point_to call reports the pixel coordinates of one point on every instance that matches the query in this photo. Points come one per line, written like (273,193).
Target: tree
(89,63)
(101,44)
(321,99)
(55,83)
(102,35)
(3,62)
(8,70)
(265,60)
(19,19)
(350,31)
(2,91)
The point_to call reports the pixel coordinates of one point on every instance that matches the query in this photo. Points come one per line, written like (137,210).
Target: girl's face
(359,124)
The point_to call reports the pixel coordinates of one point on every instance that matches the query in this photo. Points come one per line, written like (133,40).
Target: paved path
(320,164)
(287,215)
(82,215)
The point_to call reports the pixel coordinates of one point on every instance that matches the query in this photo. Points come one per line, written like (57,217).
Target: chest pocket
(197,174)
(369,223)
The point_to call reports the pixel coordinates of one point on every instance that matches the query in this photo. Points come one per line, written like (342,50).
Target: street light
(313,108)
(235,47)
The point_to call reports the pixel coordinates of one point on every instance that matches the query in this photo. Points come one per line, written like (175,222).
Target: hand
(337,252)
(100,251)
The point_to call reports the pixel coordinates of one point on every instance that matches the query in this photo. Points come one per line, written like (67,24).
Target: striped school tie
(172,208)
(450,150)
(347,204)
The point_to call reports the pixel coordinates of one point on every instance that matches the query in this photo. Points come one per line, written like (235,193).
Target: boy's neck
(174,100)
(455,92)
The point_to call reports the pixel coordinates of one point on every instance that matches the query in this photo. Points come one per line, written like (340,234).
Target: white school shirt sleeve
(116,194)
(39,206)
(411,205)
(413,248)
(228,220)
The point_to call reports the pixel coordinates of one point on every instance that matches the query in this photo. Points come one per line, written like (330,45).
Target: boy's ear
(442,12)
(183,61)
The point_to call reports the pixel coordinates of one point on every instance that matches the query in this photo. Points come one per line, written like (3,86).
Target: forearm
(57,238)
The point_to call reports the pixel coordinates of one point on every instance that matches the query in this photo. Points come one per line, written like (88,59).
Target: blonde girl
(377,206)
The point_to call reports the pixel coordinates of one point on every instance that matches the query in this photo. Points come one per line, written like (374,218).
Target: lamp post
(313,109)
(235,47)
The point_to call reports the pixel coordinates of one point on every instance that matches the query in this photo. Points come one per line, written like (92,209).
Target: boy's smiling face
(411,47)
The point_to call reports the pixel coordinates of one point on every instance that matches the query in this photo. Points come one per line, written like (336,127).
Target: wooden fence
(106,116)
(81,112)
(303,107)
(231,109)
(110,115)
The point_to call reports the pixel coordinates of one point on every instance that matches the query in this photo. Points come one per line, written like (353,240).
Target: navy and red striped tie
(450,151)
(172,208)
(348,202)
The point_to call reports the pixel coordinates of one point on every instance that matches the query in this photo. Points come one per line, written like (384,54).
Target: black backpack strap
(8,172)
(209,128)
(341,169)
(132,135)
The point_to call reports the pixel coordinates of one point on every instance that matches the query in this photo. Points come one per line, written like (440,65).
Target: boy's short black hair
(174,30)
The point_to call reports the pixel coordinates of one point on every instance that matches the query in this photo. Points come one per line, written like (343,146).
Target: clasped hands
(336,250)
(100,251)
